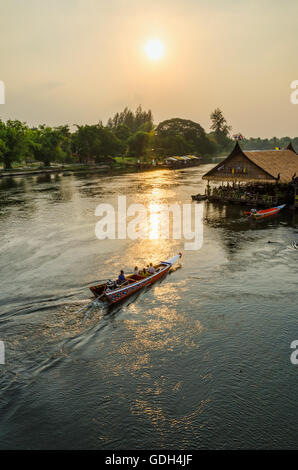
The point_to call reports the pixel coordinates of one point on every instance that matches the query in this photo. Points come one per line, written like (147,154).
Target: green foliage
(135,121)
(220,128)
(138,143)
(95,142)
(13,142)
(268,144)
(180,136)
(172,145)
(127,134)
(49,144)
(122,132)
(65,143)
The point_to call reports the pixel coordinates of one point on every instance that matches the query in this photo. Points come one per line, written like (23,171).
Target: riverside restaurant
(263,177)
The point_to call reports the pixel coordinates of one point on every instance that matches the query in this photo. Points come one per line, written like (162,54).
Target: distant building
(257,166)
(180,161)
(252,174)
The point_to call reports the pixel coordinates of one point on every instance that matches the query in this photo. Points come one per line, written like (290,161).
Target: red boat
(133,283)
(265,212)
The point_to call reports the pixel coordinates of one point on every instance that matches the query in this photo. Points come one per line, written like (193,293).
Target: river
(200,360)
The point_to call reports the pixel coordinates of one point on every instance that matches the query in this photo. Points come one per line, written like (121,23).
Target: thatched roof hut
(262,166)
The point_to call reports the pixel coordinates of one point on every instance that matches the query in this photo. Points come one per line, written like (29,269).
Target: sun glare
(154,49)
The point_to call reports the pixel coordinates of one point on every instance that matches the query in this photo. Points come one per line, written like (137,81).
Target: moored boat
(265,212)
(132,284)
(199,197)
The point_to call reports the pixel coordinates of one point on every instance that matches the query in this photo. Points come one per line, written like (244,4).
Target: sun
(154,49)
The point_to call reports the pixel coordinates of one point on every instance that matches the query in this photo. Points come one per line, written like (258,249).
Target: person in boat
(136,270)
(144,273)
(110,285)
(121,277)
(151,269)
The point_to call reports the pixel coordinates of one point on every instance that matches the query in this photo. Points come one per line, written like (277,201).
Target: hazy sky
(78,61)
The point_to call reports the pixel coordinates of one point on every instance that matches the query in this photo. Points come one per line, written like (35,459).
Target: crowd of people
(145,272)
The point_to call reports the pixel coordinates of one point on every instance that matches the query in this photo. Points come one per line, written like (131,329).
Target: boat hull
(268,212)
(127,291)
(122,293)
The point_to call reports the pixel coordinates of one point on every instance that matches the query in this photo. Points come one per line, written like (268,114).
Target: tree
(172,145)
(122,132)
(138,121)
(95,142)
(13,142)
(220,128)
(187,134)
(49,144)
(137,144)
(65,143)
(110,144)
(86,142)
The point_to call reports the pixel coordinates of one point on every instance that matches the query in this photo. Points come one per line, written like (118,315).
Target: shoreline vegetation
(129,140)
(75,169)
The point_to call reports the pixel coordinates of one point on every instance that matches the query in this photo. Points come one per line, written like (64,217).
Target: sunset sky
(78,61)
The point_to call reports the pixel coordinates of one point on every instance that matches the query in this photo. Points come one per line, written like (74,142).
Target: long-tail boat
(265,212)
(132,284)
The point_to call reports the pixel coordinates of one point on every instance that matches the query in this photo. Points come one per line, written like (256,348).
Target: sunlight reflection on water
(184,358)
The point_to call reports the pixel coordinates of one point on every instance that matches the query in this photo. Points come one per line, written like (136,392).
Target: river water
(200,360)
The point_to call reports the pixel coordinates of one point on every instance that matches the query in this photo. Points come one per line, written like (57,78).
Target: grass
(125,160)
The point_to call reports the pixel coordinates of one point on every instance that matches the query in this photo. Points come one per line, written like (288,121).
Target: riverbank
(117,165)
(71,169)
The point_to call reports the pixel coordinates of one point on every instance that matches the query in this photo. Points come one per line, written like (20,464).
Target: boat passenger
(136,270)
(151,269)
(121,277)
(110,285)
(144,273)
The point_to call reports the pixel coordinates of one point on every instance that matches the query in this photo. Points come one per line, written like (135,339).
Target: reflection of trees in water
(92,184)
(58,187)
(64,189)
(46,178)
(14,195)
(9,182)
(25,192)
(11,191)
(91,191)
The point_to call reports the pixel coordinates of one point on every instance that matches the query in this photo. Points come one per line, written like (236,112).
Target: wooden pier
(249,201)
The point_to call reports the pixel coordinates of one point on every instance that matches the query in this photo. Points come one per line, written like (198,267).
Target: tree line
(127,134)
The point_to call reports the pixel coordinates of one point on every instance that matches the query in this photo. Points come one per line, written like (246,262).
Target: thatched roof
(276,162)
(279,165)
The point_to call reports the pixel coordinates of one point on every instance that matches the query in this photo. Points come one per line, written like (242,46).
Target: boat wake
(90,308)
(174,268)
